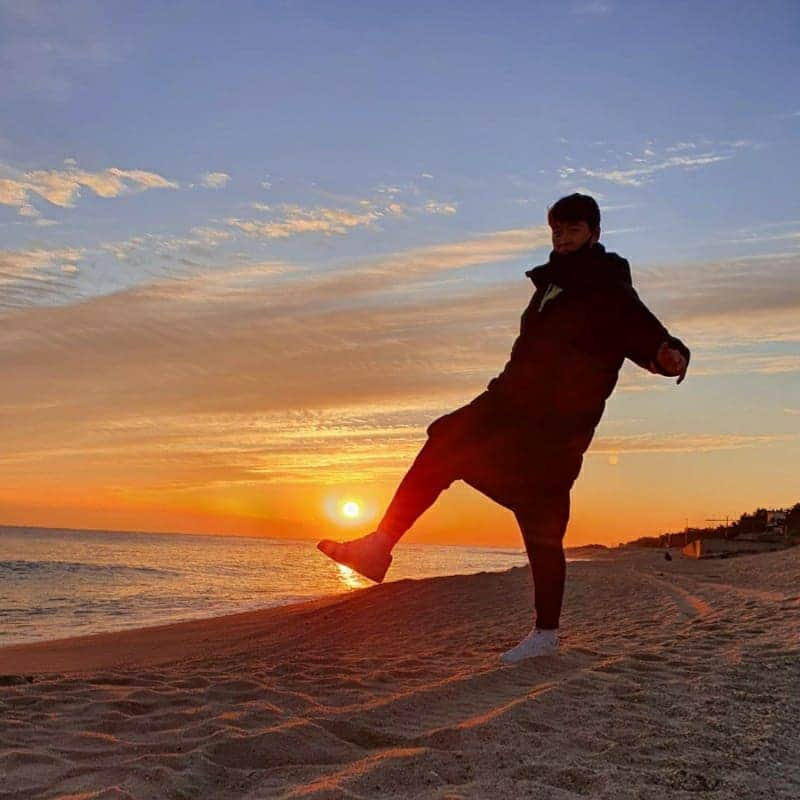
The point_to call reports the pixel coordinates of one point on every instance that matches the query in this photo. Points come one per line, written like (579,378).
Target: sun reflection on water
(350,578)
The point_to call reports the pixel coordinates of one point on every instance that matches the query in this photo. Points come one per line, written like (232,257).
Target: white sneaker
(536,643)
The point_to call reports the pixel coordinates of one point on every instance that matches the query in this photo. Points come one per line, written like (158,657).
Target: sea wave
(21,567)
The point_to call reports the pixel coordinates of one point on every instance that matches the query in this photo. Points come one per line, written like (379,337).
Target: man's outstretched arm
(648,343)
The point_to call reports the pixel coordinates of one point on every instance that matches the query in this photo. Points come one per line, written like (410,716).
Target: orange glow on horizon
(611,503)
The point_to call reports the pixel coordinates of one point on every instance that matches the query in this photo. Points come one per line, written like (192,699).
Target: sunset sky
(248,251)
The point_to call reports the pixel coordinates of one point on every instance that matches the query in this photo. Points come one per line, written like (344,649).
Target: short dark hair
(575,208)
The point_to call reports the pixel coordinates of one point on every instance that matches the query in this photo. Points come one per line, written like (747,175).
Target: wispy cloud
(366,356)
(432,207)
(640,169)
(202,316)
(639,176)
(732,289)
(294,220)
(62,187)
(36,275)
(15,264)
(200,239)
(591,9)
(754,238)
(682,443)
(715,361)
(215,180)
(680,146)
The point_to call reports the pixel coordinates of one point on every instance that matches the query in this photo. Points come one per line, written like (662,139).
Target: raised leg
(432,471)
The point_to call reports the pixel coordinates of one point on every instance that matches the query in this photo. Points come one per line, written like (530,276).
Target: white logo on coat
(552,291)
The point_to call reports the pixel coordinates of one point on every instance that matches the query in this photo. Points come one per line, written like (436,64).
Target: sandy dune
(676,680)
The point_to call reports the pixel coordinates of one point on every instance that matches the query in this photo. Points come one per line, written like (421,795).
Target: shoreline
(74,653)
(673,678)
(172,635)
(573,554)
(161,631)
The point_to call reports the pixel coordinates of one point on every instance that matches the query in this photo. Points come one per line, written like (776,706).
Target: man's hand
(672,361)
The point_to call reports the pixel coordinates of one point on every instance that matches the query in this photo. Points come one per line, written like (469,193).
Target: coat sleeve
(641,334)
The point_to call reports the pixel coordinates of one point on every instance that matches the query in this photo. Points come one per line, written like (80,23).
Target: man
(521,442)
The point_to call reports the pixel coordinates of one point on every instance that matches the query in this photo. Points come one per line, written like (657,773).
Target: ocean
(60,583)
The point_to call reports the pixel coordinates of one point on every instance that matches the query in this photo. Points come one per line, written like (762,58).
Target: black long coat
(525,436)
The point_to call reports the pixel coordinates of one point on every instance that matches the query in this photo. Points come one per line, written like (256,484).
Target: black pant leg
(436,466)
(543,522)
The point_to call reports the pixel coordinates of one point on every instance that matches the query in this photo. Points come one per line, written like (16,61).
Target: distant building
(719,548)
(776,519)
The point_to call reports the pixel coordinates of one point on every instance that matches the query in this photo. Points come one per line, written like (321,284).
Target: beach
(675,679)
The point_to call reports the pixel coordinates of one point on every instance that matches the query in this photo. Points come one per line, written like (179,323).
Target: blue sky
(225,152)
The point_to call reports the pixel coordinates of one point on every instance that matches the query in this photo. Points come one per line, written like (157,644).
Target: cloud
(63,187)
(642,168)
(137,249)
(432,207)
(279,373)
(244,322)
(214,285)
(748,230)
(639,176)
(681,443)
(28,211)
(13,193)
(728,289)
(718,362)
(591,9)
(738,316)
(15,264)
(215,180)
(419,269)
(753,237)
(36,275)
(680,146)
(209,237)
(297,220)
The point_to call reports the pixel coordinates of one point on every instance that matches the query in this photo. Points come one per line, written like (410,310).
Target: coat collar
(591,265)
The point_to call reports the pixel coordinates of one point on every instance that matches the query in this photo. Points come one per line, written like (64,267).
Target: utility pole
(720,520)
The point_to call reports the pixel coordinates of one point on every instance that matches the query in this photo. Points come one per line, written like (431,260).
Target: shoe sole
(510,662)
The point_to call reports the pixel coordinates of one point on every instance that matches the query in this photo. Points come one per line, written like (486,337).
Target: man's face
(570,236)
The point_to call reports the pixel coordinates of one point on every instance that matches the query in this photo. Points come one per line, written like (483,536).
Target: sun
(351,509)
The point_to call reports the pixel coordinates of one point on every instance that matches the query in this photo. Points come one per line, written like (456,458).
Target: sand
(676,680)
